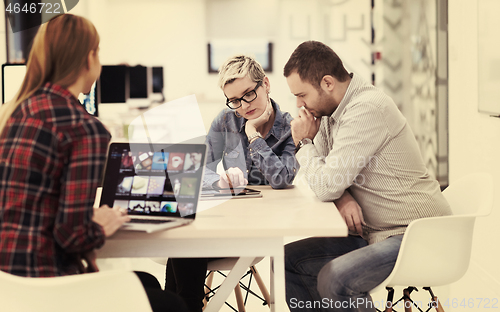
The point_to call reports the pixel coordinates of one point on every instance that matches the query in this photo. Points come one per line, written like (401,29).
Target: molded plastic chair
(96,292)
(227,264)
(436,251)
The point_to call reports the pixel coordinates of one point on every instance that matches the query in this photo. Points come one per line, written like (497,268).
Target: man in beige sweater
(356,149)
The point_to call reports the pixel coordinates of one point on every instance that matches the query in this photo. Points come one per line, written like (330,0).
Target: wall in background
(406,36)
(474,138)
(175,34)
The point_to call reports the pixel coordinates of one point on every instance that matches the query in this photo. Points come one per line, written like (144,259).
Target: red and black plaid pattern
(52,153)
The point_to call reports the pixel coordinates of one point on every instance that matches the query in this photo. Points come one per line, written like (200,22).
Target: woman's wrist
(252,137)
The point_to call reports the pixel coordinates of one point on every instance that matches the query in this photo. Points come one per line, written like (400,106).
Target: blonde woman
(252,138)
(51,158)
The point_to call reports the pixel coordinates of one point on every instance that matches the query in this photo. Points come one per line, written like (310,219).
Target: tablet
(207,194)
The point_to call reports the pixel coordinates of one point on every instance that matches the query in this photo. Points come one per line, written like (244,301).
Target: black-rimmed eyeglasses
(247,97)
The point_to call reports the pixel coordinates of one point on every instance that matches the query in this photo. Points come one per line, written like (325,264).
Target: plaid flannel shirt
(52,154)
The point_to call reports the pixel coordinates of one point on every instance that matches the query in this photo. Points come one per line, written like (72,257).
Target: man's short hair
(312,60)
(240,66)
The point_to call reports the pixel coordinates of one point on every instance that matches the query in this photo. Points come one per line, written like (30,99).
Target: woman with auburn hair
(52,154)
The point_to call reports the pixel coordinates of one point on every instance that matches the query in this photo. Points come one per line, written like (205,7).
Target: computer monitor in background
(140,86)
(90,100)
(113,84)
(157,95)
(12,78)
(157,79)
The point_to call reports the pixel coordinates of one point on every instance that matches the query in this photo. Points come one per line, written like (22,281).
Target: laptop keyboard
(151,221)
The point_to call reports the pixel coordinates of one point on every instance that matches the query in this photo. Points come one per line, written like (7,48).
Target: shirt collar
(355,81)
(49,87)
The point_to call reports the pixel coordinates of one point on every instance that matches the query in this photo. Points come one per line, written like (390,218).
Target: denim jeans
(336,273)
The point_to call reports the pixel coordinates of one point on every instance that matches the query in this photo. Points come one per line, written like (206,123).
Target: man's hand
(252,125)
(351,212)
(304,126)
(233,178)
(111,219)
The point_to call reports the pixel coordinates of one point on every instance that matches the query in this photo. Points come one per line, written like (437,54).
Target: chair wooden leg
(239,298)
(407,301)
(208,286)
(439,307)
(390,299)
(435,301)
(262,286)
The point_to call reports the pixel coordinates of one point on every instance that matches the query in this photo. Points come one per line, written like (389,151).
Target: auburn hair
(58,55)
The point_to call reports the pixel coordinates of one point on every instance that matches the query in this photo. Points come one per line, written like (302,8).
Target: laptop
(158,184)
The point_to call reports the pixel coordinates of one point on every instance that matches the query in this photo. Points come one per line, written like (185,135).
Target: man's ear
(328,83)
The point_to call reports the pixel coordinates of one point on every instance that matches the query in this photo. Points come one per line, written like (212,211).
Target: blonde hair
(240,66)
(58,55)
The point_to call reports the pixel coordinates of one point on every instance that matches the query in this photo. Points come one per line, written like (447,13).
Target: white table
(244,228)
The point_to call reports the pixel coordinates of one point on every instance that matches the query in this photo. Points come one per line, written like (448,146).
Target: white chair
(226,264)
(96,292)
(436,251)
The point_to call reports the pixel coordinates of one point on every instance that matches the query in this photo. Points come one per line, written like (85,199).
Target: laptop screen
(154,179)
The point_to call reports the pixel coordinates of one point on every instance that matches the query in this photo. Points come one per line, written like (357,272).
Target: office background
(434,84)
